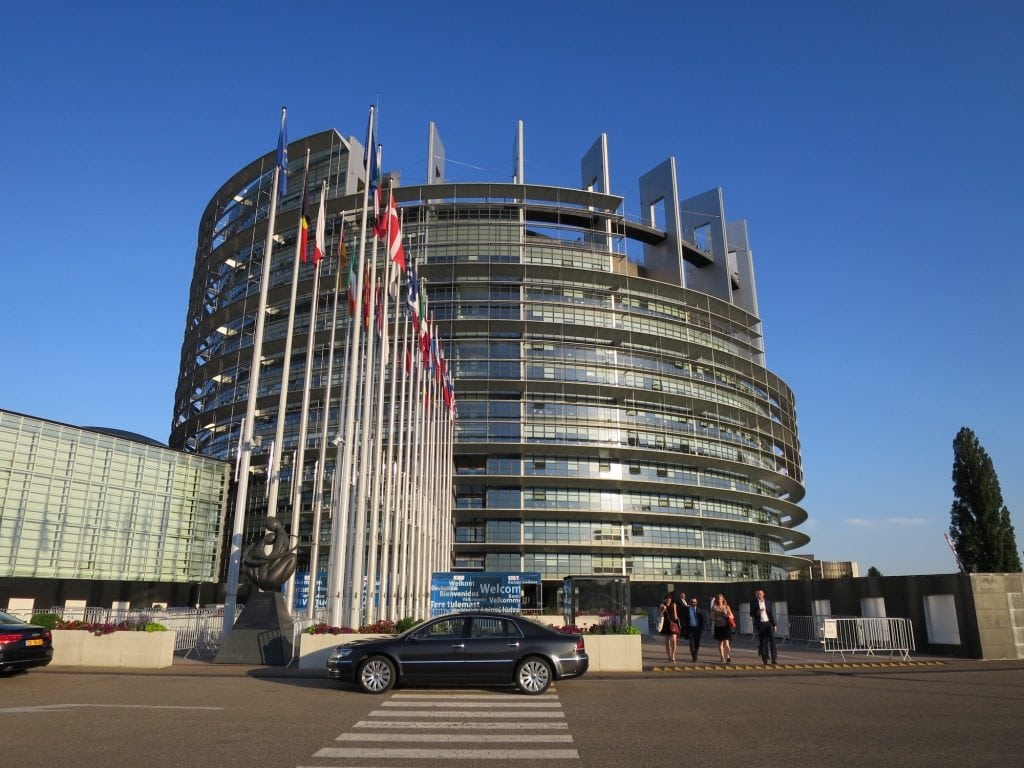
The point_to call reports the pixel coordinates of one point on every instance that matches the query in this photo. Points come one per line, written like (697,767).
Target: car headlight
(340,653)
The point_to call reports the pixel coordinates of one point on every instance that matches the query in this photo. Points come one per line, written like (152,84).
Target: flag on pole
(449,395)
(373,174)
(424,324)
(367,297)
(342,248)
(304,225)
(378,309)
(413,295)
(394,247)
(442,366)
(321,229)
(282,155)
(391,230)
(425,343)
(353,286)
(375,181)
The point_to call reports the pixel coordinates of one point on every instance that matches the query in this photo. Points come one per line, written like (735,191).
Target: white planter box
(614,653)
(314,649)
(78,648)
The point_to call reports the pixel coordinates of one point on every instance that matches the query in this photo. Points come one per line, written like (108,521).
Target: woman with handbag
(668,625)
(724,623)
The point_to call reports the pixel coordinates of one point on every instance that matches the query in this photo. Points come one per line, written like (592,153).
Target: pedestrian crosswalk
(454,725)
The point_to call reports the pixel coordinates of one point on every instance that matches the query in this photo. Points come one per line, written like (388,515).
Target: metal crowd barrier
(868,636)
(198,631)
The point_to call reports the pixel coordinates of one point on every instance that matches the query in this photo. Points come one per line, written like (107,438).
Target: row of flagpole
(391,490)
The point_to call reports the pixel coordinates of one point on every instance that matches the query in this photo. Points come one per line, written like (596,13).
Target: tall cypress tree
(980,524)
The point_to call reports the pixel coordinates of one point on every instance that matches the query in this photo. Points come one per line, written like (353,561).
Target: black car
(23,645)
(470,648)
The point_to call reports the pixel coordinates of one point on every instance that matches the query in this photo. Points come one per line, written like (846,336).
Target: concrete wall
(999,606)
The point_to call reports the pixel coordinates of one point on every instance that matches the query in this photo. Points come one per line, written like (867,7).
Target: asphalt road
(960,713)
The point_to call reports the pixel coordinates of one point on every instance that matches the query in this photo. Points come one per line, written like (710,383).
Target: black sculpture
(269,570)
(263,633)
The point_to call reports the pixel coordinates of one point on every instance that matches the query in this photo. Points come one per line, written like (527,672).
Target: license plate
(34,641)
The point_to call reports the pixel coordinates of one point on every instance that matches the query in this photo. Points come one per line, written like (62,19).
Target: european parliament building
(615,413)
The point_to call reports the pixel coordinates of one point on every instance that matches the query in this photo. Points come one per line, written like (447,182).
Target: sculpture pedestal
(262,634)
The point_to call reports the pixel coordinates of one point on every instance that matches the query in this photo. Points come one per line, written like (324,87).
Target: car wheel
(376,674)
(533,675)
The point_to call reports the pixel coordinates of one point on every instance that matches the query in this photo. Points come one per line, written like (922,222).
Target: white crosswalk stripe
(457,724)
(443,726)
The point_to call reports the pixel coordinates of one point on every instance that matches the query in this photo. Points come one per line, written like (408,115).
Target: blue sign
(490,591)
(302,590)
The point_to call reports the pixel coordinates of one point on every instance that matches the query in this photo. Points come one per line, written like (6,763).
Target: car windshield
(6,618)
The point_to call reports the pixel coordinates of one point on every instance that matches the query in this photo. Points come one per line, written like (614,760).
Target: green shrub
(45,620)
(407,623)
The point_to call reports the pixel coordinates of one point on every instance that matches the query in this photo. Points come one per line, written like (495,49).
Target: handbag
(732,621)
(673,626)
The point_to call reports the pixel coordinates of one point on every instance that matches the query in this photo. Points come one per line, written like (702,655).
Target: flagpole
(404,487)
(299,466)
(398,500)
(390,491)
(342,499)
(357,611)
(245,453)
(378,470)
(325,423)
(274,479)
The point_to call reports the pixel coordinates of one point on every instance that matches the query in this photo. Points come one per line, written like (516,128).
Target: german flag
(304,226)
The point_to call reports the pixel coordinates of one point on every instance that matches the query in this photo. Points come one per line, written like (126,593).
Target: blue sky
(874,150)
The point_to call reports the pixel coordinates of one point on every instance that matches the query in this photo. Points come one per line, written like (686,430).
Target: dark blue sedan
(23,645)
(472,648)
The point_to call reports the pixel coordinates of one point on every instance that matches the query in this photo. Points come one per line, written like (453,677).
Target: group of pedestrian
(678,616)
(684,617)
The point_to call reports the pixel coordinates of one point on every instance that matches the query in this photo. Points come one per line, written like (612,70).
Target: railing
(868,636)
(198,632)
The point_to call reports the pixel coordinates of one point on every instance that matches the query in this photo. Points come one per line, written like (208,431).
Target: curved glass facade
(610,421)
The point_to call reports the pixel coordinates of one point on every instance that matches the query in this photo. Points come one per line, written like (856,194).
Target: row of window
(479,497)
(641,568)
(596,532)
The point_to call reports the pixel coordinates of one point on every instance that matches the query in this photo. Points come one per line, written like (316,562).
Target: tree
(980,524)
(872,571)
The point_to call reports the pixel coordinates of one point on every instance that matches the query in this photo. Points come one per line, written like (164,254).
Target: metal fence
(198,630)
(868,636)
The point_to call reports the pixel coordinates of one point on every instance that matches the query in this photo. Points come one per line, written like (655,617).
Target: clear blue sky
(874,149)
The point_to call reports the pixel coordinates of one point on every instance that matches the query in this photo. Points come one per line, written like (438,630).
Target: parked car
(470,648)
(23,645)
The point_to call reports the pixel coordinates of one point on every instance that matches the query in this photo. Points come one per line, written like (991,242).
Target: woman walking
(723,620)
(668,618)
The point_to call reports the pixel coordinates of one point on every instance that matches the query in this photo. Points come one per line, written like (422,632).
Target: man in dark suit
(693,621)
(762,611)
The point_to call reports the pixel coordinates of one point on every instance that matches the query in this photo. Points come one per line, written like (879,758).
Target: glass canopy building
(104,515)
(615,414)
